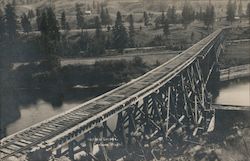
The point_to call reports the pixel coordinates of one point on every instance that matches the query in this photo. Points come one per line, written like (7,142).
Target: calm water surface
(236,92)
(32,107)
(233,93)
(35,113)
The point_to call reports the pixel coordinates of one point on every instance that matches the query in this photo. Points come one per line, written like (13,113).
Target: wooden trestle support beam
(151,119)
(155,110)
(183,103)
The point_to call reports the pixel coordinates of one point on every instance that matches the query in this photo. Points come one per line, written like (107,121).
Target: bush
(51,63)
(158,40)
(102,73)
(138,61)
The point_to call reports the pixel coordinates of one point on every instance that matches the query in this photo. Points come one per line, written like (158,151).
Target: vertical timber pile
(175,112)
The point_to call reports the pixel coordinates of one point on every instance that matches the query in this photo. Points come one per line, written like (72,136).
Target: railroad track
(22,142)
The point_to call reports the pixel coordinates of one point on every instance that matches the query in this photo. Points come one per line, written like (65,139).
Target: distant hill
(125,6)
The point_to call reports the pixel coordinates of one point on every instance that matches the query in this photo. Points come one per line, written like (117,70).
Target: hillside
(125,6)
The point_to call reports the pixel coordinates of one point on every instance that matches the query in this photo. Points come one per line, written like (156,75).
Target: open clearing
(150,58)
(235,54)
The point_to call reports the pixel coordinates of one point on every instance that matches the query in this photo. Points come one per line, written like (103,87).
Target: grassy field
(178,35)
(152,59)
(237,47)
(235,54)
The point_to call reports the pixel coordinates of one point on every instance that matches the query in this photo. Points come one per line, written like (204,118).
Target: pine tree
(79,17)
(13,2)
(206,18)
(50,37)
(192,36)
(84,41)
(187,14)
(103,16)
(11,23)
(38,19)
(108,43)
(157,22)
(25,23)
(162,18)
(64,45)
(209,16)
(108,28)
(2,25)
(98,27)
(94,5)
(98,7)
(63,21)
(166,28)
(53,25)
(131,31)
(248,12)
(200,14)
(108,18)
(171,14)
(31,14)
(235,6)
(230,11)
(67,26)
(146,19)
(212,15)
(43,25)
(240,9)
(119,34)
(98,45)
(118,21)
(88,7)
(173,17)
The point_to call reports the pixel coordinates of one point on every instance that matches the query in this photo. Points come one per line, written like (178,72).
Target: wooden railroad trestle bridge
(138,113)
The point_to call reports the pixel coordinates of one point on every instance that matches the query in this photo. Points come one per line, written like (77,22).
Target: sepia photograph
(124,80)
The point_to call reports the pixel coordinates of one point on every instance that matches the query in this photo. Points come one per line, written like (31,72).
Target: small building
(88,12)
(237,18)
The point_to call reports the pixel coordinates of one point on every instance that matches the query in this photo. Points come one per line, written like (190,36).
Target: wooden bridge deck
(84,116)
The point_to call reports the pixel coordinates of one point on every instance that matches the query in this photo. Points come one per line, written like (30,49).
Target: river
(25,108)
(35,106)
(236,92)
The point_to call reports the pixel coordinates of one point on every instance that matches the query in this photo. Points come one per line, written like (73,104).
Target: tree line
(118,36)
(233,9)
(188,15)
(51,38)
